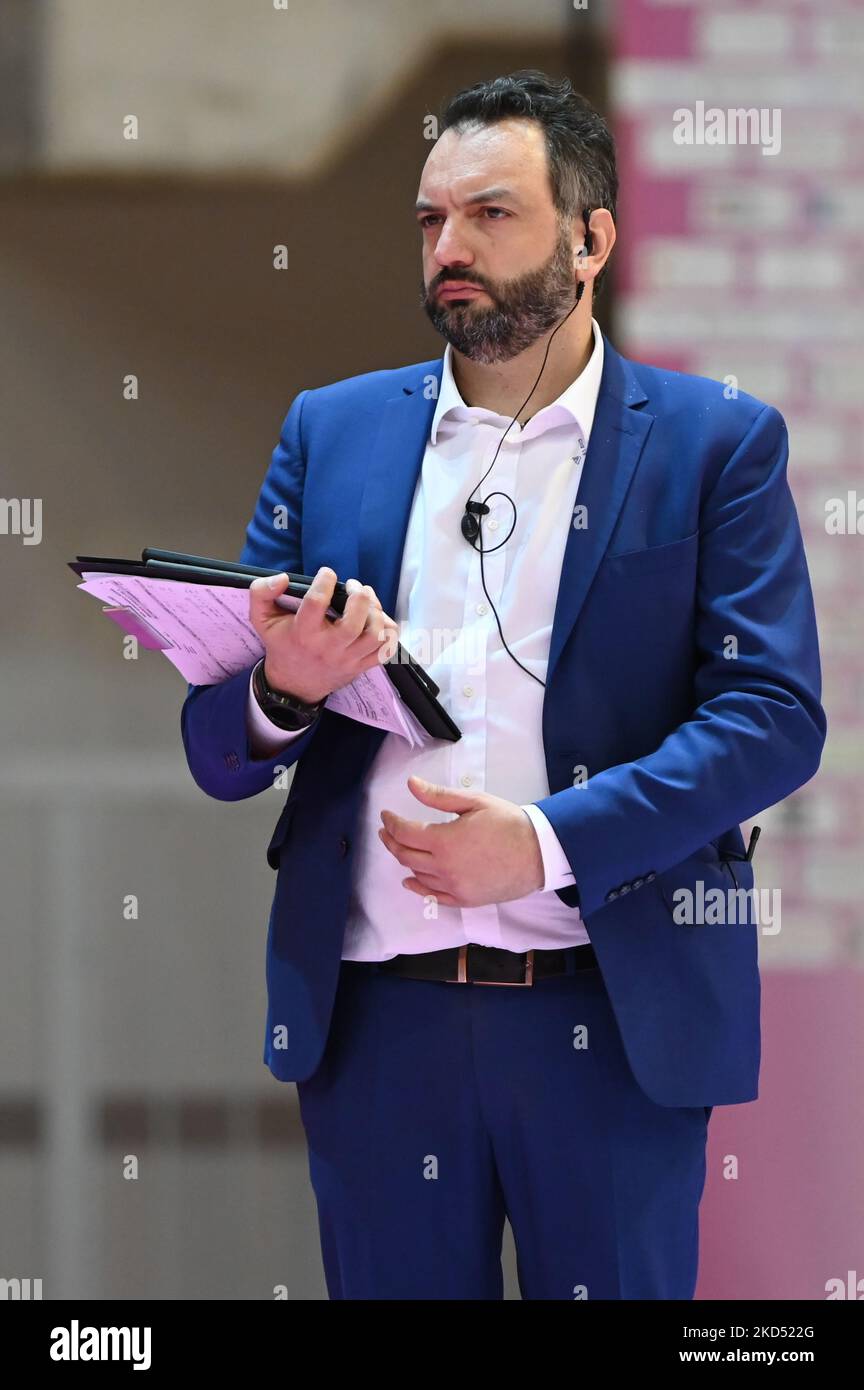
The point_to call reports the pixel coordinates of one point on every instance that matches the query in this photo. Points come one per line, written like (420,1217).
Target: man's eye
(430,217)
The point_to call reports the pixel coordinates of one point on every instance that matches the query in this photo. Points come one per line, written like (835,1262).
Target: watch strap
(284,710)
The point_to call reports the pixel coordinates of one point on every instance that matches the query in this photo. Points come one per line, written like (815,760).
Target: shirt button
(468,690)
(493,525)
(465,780)
(482,609)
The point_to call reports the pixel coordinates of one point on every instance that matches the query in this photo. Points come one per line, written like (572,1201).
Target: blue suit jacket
(692,538)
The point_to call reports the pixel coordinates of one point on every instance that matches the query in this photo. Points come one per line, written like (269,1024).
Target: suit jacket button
(343,847)
(625,888)
(637,882)
(612,895)
(650,875)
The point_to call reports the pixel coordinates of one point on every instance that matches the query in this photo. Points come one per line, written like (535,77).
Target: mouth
(454,291)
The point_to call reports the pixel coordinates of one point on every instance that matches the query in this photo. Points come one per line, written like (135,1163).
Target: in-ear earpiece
(582,253)
(578,259)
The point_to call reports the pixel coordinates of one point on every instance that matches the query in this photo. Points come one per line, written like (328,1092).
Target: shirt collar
(577,402)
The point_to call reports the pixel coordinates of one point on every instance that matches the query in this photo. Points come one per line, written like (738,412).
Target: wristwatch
(283,710)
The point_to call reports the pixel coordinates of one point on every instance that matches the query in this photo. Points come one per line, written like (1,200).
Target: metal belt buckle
(462,972)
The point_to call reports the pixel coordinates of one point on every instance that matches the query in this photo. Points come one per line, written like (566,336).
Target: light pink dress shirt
(446,622)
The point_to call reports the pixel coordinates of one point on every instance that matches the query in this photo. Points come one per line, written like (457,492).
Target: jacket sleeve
(757,728)
(213,720)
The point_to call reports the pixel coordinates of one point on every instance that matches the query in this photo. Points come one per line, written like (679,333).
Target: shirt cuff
(556,865)
(266,737)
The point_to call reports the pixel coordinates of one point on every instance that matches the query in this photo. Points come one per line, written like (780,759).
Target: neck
(503,386)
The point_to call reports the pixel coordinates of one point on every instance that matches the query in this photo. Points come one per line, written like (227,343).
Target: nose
(450,247)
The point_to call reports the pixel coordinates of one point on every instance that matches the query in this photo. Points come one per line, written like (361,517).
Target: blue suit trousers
(440,1109)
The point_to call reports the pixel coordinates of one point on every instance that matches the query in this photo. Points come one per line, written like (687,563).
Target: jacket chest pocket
(632,564)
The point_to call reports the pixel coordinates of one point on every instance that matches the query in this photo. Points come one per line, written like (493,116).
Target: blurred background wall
(306,126)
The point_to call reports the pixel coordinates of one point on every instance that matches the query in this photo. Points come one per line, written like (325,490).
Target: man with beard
(474,974)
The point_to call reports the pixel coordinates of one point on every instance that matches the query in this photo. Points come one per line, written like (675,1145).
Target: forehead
(511,153)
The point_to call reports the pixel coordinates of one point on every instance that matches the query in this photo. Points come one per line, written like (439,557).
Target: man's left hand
(489,854)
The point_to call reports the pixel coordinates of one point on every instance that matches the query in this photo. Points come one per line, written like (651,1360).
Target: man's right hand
(308,655)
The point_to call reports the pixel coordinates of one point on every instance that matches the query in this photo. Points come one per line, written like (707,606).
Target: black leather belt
(485,965)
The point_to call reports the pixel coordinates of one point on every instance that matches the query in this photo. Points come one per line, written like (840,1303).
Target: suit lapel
(391,478)
(618,436)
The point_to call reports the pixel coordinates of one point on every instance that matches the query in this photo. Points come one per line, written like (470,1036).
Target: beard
(522,309)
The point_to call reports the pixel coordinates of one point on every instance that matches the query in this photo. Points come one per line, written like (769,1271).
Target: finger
(311,615)
(423,890)
(413,834)
(376,620)
(263,593)
(388,643)
(368,662)
(380,638)
(417,859)
(445,798)
(354,585)
(356,613)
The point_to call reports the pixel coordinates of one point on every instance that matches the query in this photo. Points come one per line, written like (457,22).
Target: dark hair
(579,144)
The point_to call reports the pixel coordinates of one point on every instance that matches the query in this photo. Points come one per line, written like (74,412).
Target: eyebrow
(486,195)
